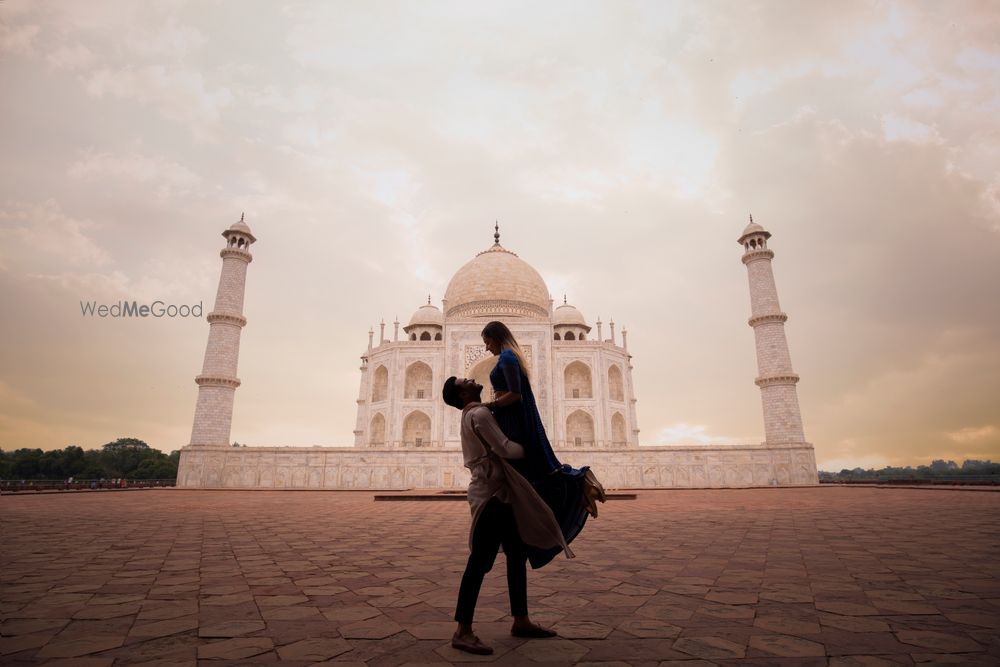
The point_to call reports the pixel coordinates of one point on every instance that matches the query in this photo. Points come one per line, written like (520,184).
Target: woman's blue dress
(559,484)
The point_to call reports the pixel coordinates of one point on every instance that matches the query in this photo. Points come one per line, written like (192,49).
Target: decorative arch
(376,430)
(578,380)
(569,336)
(419,378)
(417,429)
(425,335)
(380,384)
(437,336)
(616,387)
(580,429)
(618,429)
(556,336)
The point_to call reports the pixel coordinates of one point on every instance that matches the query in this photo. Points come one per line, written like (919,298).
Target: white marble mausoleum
(407,438)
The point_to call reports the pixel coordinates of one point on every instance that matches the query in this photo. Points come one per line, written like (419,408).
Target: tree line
(937,469)
(128,458)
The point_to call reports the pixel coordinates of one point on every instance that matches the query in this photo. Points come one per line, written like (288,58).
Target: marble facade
(406,438)
(348,468)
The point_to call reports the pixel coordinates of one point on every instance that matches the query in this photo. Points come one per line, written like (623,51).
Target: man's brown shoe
(532,632)
(470,644)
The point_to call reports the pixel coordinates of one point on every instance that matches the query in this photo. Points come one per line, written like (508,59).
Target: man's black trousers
(495,527)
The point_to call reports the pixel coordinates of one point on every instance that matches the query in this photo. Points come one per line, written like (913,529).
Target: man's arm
(487,428)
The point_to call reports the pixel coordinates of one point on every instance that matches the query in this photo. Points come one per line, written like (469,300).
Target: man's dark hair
(451,393)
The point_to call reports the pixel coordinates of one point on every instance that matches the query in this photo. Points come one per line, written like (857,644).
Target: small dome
(753,228)
(568,315)
(426,315)
(241,227)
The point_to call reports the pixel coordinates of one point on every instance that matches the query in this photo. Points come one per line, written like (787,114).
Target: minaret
(776,379)
(213,414)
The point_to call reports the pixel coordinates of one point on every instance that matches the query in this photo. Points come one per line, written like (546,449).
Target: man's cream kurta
(484,448)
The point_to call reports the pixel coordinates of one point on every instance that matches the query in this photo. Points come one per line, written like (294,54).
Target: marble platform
(643,467)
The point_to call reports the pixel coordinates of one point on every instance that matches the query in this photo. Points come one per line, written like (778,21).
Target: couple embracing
(521,496)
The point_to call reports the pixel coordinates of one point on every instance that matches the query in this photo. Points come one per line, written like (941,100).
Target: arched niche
(618,436)
(417,429)
(578,381)
(580,429)
(380,384)
(376,430)
(616,387)
(418,381)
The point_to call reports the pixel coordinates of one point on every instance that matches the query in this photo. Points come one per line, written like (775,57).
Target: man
(506,511)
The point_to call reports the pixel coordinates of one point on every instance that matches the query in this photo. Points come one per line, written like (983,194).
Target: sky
(621,146)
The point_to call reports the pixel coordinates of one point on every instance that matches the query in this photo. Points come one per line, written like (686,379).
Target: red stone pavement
(810,576)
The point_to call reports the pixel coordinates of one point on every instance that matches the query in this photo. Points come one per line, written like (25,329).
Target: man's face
(467,385)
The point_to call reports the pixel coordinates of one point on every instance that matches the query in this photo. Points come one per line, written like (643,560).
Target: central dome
(497,283)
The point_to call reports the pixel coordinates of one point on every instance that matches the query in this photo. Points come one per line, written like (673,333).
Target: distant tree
(123,456)
(130,458)
(26,463)
(941,466)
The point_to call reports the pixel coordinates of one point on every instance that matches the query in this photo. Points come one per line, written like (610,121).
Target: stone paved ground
(838,576)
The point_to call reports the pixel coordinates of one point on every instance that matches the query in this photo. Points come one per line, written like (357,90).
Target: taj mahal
(406,438)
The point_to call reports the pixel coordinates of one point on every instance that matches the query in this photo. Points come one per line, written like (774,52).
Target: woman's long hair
(499,332)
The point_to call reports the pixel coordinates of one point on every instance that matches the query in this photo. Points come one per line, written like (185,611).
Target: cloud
(74,57)
(18,39)
(169,178)
(900,128)
(176,94)
(43,231)
(620,147)
(973,433)
(170,39)
(686,434)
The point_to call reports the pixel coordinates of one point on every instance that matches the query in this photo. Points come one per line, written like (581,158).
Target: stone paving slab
(806,576)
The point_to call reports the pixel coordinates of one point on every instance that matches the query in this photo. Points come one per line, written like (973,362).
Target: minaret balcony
(772,380)
(770,317)
(754,255)
(226,318)
(216,381)
(238,253)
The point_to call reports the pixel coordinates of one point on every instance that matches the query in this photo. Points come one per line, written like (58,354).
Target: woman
(564,488)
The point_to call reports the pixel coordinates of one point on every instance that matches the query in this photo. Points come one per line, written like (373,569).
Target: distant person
(506,511)
(572,493)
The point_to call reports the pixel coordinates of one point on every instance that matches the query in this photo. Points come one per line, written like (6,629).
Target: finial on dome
(564,298)
(242,213)
(496,232)
(751,218)
(428,299)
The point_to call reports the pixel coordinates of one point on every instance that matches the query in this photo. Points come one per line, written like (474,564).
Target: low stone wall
(216,467)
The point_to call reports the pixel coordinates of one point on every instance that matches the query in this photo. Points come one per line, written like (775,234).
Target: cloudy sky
(620,145)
